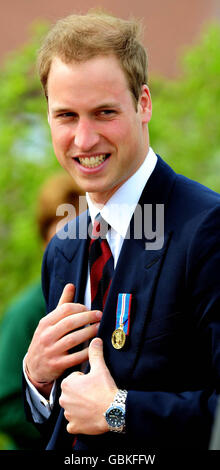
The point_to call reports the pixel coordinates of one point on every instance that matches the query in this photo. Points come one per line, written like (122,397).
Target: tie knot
(100,227)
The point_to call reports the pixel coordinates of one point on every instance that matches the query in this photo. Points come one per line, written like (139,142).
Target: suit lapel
(137,273)
(71,261)
(138,276)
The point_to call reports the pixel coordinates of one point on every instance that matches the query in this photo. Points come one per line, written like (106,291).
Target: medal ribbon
(123,312)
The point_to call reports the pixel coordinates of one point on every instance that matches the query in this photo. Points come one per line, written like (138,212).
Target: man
(157,387)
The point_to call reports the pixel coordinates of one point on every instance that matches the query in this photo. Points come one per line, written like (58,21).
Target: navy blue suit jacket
(171,363)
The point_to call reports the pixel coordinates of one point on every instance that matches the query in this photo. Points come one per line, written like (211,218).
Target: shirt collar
(118,210)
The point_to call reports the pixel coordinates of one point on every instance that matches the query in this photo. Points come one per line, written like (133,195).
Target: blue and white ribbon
(123,312)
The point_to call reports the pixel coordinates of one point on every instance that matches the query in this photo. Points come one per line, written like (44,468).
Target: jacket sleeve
(44,423)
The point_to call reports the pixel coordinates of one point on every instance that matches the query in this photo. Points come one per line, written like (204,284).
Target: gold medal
(118,338)
(121,332)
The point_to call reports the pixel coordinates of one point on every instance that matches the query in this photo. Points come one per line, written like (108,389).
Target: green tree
(185,127)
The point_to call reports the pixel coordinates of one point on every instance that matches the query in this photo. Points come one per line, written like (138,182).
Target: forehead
(87,82)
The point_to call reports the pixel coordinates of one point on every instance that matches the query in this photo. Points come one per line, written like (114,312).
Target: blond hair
(81,37)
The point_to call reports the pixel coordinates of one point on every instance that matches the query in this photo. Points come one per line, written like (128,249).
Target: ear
(145,104)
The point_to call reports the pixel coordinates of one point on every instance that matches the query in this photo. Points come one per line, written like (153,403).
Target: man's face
(98,135)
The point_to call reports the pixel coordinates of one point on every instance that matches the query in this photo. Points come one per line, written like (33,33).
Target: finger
(67,294)
(96,357)
(70,429)
(74,322)
(76,358)
(65,383)
(72,340)
(64,311)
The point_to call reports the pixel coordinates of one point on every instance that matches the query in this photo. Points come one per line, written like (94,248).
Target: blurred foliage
(6,443)
(185,130)
(26,160)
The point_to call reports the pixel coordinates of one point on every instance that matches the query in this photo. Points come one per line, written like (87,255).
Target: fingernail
(97,342)
(98,315)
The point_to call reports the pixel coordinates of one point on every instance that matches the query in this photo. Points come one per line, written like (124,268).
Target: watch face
(115,417)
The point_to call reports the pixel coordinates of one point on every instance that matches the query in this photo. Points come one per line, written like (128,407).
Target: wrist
(44,388)
(115,414)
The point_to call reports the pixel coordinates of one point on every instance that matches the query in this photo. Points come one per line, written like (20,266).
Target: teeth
(92,162)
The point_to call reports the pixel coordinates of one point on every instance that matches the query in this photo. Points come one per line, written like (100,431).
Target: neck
(100,199)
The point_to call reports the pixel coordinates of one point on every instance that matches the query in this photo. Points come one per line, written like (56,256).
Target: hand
(56,334)
(86,397)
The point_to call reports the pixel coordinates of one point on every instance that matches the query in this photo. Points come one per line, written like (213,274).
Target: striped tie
(101,264)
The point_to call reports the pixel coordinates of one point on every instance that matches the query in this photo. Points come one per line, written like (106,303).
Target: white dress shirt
(117,212)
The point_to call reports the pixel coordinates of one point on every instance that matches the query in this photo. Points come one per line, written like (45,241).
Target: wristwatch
(115,414)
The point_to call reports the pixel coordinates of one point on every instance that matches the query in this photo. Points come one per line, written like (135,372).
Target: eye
(67,114)
(107,113)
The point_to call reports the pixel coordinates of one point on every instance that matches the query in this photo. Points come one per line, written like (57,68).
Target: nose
(86,137)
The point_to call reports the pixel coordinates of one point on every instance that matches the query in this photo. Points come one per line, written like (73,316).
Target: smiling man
(151,374)
(96,129)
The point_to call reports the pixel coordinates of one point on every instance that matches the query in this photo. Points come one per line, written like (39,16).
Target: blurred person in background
(23,315)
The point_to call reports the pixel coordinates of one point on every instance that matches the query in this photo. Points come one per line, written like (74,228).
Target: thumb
(96,357)
(67,294)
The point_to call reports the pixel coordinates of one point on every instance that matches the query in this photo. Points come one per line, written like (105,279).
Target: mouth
(92,161)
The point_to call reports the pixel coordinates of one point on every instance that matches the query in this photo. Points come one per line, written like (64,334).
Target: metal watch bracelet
(119,400)
(120,397)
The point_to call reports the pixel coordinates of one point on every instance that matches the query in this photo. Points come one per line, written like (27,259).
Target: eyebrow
(108,105)
(57,110)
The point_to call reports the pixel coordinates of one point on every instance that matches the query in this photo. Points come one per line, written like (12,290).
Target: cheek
(117,133)
(126,138)
(61,137)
